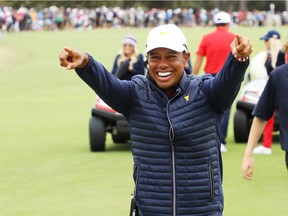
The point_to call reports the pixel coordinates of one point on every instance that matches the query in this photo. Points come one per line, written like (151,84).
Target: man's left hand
(241,47)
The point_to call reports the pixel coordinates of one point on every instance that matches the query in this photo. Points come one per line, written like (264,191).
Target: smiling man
(174,120)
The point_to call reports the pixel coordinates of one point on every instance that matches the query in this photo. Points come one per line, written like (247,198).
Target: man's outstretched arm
(223,89)
(116,93)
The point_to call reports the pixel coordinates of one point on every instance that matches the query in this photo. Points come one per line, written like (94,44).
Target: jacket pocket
(211,180)
(136,174)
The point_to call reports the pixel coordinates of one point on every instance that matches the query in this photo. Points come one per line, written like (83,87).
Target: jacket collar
(184,82)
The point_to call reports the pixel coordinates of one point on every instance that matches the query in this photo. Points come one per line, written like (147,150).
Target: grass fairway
(46,166)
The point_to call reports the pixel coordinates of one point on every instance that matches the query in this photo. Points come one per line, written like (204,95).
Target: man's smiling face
(166,66)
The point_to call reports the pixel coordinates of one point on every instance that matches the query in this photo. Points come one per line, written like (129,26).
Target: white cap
(130,39)
(222,17)
(166,36)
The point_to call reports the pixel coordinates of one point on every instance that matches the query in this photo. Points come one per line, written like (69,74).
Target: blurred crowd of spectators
(54,18)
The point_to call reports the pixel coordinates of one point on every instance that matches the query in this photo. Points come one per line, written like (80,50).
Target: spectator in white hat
(215,46)
(129,61)
(174,121)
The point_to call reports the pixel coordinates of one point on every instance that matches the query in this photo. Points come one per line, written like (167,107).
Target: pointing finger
(241,43)
(69,50)
(238,39)
(63,58)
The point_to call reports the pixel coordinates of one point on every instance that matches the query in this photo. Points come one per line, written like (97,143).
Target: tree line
(164,4)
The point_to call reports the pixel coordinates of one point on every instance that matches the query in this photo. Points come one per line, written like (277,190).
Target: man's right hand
(248,167)
(72,59)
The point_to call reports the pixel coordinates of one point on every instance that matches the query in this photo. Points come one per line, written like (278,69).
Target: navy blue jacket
(175,141)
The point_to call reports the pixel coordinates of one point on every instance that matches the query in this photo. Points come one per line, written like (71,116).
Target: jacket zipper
(171,138)
(136,173)
(133,207)
(174,179)
(211,182)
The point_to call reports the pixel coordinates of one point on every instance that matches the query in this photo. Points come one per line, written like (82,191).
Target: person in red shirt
(215,46)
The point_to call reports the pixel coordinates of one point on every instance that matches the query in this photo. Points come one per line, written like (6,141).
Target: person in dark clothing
(174,120)
(282,57)
(129,61)
(272,98)
(273,46)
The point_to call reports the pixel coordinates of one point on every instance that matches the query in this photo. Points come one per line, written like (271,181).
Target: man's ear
(147,57)
(186,57)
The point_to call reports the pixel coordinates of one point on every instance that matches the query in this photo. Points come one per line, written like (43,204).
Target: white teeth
(164,74)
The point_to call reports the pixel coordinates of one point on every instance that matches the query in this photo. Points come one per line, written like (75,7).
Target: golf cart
(249,97)
(243,115)
(104,119)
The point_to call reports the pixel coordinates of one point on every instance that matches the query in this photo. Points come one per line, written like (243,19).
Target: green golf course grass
(46,167)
